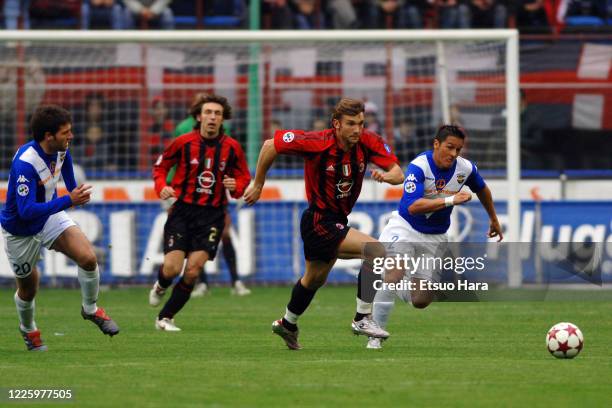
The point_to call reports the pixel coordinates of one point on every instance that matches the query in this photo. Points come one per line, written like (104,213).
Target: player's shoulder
(421,161)
(27,153)
(186,137)
(464,164)
(370,138)
(232,142)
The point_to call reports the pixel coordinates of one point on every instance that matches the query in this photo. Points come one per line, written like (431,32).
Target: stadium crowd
(527,15)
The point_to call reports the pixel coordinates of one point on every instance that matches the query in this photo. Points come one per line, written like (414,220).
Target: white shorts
(399,238)
(24,252)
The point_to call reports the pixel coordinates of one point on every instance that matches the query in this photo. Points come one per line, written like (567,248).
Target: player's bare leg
(75,245)
(420,298)
(182,290)
(170,269)
(360,245)
(302,294)
(25,304)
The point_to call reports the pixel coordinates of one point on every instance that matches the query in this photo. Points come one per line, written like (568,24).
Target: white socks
(25,310)
(363,307)
(290,316)
(383,304)
(90,286)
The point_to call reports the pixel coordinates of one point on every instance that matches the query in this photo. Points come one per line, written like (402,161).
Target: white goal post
(433,54)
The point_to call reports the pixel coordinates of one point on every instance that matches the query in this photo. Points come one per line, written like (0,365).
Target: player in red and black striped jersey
(335,164)
(208,162)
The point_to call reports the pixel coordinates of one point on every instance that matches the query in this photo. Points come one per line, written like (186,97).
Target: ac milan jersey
(334,176)
(201,165)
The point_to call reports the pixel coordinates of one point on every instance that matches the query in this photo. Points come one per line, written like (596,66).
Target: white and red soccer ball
(564,340)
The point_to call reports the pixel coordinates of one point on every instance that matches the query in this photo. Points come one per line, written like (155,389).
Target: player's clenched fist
(166,193)
(462,197)
(252,194)
(81,195)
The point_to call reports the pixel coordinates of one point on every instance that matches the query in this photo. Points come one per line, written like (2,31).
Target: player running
(34,216)
(432,187)
(208,162)
(335,163)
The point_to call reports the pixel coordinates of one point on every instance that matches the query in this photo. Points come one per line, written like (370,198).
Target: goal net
(128,91)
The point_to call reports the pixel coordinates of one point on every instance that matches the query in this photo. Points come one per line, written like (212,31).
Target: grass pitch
(450,354)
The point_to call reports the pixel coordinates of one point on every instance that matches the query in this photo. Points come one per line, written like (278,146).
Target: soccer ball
(564,340)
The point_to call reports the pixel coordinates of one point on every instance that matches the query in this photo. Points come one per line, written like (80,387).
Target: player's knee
(373,250)
(313,283)
(27,294)
(192,273)
(421,301)
(88,260)
(171,270)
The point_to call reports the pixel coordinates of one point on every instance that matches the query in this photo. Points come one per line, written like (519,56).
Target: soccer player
(432,187)
(335,163)
(229,253)
(208,162)
(34,216)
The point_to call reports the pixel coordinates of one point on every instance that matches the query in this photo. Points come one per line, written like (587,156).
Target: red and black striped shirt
(201,165)
(334,177)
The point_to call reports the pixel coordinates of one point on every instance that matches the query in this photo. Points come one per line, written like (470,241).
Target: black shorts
(322,234)
(191,228)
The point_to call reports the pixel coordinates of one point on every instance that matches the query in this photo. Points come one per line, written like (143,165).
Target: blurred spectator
(306,16)
(161,129)
(453,14)
(341,14)
(532,138)
(147,13)
(405,139)
(531,14)
(488,13)
(586,8)
(372,123)
(235,9)
(94,136)
(12,10)
(319,124)
(277,14)
(55,14)
(399,13)
(101,14)
(275,125)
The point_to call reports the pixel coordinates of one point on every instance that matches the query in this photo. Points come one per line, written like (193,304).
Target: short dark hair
(348,106)
(450,130)
(48,118)
(201,99)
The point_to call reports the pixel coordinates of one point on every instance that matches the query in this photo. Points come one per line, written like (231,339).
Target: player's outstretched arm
(428,205)
(393,175)
(267,155)
(486,199)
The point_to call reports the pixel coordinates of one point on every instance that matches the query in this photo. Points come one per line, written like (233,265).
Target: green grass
(450,354)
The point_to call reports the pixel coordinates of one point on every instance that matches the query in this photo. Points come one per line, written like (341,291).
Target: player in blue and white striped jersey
(34,216)
(432,188)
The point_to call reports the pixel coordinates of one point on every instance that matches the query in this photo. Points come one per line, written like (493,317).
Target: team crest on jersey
(346,170)
(460,178)
(440,184)
(410,187)
(52,167)
(62,156)
(288,137)
(361,167)
(23,190)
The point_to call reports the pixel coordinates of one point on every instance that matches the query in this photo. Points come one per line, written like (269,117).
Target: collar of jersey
(437,171)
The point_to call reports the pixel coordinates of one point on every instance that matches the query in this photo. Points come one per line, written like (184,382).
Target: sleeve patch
(23,190)
(288,137)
